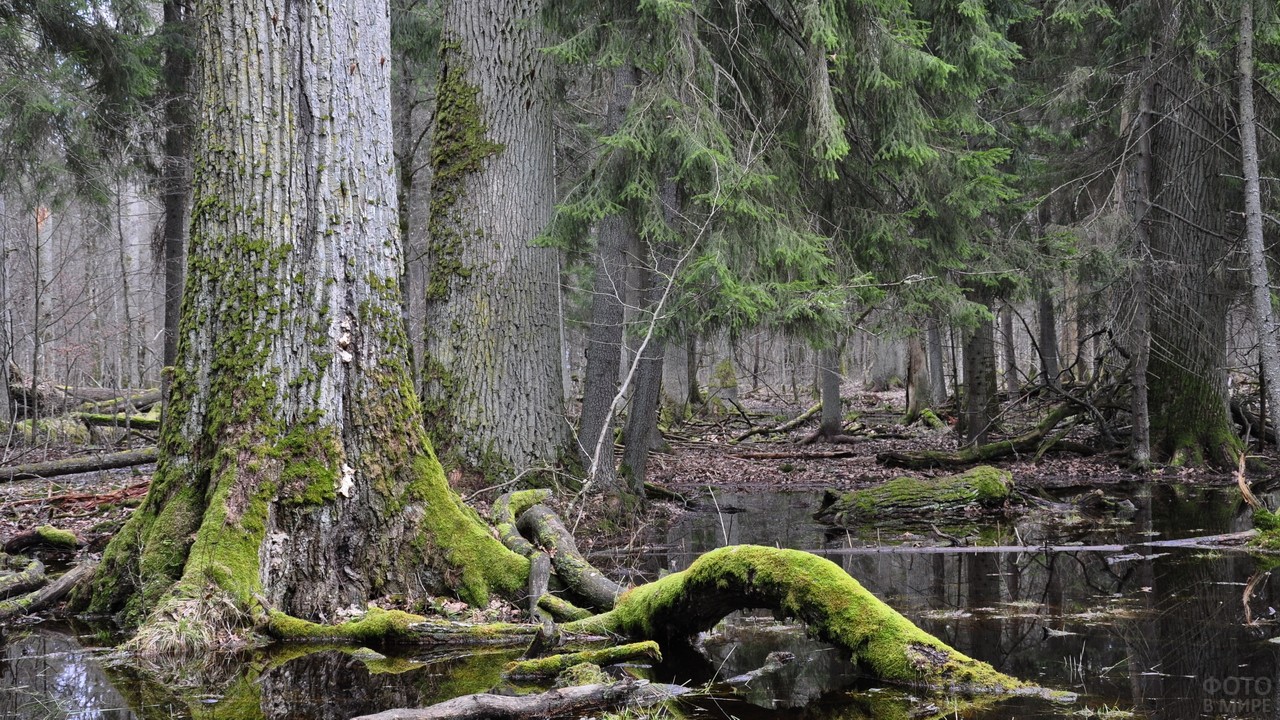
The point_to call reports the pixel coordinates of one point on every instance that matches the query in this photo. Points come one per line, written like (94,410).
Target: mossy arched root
(834,606)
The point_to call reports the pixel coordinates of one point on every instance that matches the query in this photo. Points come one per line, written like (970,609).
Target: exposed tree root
(582,579)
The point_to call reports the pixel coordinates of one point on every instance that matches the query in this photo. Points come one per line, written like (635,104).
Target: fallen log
(570,701)
(395,626)
(1034,442)
(78,464)
(45,536)
(140,401)
(19,575)
(552,665)
(562,610)
(905,497)
(135,422)
(48,595)
(129,492)
(788,426)
(580,576)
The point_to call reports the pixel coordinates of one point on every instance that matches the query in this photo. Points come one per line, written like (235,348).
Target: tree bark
(294,474)
(937,373)
(615,236)
(905,497)
(1137,201)
(1259,276)
(1050,367)
(919,393)
(1188,389)
(979,377)
(175,191)
(491,366)
(831,422)
(1010,350)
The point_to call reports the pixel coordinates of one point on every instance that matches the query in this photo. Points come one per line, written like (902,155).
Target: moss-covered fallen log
(562,610)
(834,606)
(78,464)
(552,665)
(44,537)
(19,575)
(982,486)
(47,595)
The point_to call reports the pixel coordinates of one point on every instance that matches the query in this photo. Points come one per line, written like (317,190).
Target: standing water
(1138,631)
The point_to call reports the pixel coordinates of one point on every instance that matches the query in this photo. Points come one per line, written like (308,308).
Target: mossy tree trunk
(491,371)
(294,471)
(1187,366)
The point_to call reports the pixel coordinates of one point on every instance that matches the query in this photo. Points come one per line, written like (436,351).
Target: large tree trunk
(294,472)
(919,393)
(1259,277)
(175,188)
(615,237)
(491,371)
(1050,366)
(1188,390)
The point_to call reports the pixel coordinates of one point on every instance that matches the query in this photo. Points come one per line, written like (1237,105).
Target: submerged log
(552,665)
(570,701)
(48,595)
(797,584)
(917,497)
(78,464)
(19,575)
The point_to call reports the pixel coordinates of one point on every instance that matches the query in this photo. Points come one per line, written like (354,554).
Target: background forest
(982,200)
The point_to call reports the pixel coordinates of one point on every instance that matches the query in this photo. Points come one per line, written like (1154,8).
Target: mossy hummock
(907,497)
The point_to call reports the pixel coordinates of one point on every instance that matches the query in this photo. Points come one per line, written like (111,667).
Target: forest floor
(702,454)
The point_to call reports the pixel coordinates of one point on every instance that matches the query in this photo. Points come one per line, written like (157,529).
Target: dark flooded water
(1146,632)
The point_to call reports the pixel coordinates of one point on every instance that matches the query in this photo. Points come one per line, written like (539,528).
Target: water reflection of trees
(46,674)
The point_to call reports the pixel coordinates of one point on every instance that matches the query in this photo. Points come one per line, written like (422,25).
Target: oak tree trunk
(831,421)
(491,365)
(294,473)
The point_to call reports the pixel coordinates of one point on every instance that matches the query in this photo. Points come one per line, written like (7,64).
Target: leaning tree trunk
(491,370)
(614,239)
(1188,389)
(294,472)
(1259,277)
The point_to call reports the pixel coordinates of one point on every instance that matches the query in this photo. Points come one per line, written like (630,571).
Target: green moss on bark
(834,606)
